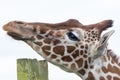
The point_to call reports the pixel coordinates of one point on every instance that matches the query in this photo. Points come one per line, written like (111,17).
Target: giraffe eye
(72,36)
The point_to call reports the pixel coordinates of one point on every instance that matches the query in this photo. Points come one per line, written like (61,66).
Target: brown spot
(79,62)
(39,37)
(67,58)
(46,35)
(116,78)
(57,60)
(75,54)
(88,34)
(59,50)
(43,29)
(73,66)
(47,40)
(38,43)
(114,69)
(108,56)
(89,59)
(81,52)
(59,34)
(76,45)
(82,47)
(93,32)
(87,41)
(86,46)
(115,59)
(90,76)
(56,41)
(85,65)
(46,50)
(85,51)
(70,49)
(104,69)
(85,37)
(53,56)
(91,67)
(102,78)
(109,67)
(85,56)
(51,33)
(109,77)
(91,39)
(82,72)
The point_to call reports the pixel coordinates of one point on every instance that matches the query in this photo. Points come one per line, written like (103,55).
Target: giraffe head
(70,43)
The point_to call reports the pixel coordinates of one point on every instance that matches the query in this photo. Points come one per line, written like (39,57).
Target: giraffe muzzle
(18,31)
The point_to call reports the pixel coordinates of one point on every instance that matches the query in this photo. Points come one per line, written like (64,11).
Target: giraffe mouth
(14,35)
(17,36)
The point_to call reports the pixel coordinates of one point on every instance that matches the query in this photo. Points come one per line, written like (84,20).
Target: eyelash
(71,36)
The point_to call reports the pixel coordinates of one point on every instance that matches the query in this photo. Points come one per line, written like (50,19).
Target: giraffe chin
(17,36)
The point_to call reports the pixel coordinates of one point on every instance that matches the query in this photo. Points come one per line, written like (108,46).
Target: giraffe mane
(114,56)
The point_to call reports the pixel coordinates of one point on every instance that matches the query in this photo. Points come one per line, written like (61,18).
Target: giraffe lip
(14,35)
(17,36)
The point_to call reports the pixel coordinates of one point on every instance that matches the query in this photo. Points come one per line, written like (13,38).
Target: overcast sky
(52,11)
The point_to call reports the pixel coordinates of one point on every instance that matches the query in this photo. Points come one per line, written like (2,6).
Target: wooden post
(32,69)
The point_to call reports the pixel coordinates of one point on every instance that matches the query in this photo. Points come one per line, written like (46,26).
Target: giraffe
(72,46)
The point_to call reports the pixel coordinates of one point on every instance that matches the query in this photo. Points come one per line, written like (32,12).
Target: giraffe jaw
(18,31)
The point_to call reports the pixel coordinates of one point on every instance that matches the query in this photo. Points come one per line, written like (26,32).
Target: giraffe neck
(107,67)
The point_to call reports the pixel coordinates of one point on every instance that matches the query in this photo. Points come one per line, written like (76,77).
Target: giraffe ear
(105,37)
(103,43)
